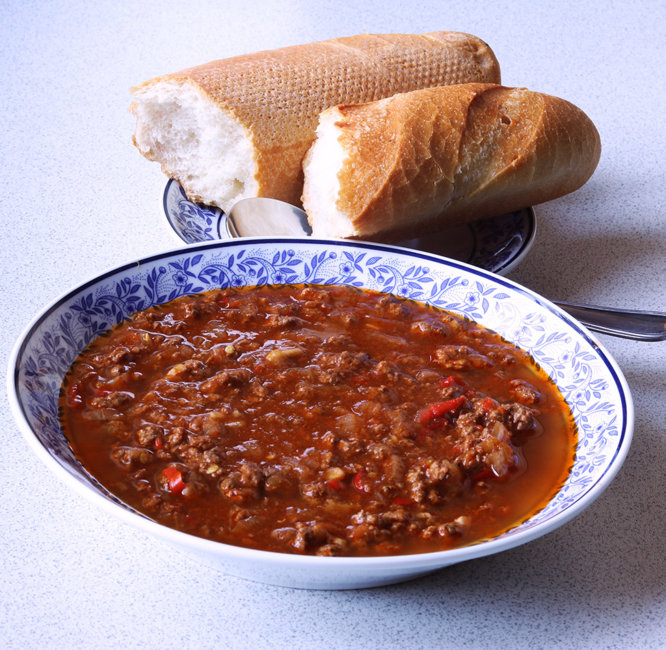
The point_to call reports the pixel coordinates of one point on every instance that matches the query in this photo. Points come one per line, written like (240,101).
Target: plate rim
(505,267)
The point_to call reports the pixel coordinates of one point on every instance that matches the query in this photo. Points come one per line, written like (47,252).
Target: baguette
(239,127)
(420,161)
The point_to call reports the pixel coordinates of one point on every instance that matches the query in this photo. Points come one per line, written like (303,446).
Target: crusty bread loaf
(422,160)
(239,127)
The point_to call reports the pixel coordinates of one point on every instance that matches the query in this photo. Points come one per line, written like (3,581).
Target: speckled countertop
(77,199)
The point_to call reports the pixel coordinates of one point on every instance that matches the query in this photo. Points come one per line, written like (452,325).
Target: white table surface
(76,199)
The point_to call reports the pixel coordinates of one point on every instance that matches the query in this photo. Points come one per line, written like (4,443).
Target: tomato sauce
(318,419)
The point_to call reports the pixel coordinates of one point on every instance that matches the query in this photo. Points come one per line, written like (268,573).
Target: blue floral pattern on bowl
(495,245)
(588,378)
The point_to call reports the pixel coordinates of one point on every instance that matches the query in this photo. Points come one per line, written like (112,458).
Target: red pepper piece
(174,479)
(334,484)
(360,481)
(484,473)
(452,380)
(74,398)
(440,408)
(488,403)
(403,501)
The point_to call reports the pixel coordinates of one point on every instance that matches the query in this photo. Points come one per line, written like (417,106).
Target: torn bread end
(196,142)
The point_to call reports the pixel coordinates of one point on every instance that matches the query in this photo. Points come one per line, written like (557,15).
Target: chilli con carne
(319,420)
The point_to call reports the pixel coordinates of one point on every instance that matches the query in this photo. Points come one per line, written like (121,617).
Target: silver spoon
(257,217)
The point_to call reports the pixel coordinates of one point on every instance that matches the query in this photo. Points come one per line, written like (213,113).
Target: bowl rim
(433,559)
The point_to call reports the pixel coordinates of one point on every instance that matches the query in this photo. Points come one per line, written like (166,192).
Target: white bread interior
(323,163)
(205,147)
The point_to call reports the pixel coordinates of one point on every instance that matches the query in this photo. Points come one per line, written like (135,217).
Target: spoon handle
(638,325)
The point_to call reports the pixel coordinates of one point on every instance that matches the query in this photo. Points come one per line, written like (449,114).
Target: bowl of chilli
(321,414)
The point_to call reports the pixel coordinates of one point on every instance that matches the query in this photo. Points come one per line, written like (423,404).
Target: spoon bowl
(261,217)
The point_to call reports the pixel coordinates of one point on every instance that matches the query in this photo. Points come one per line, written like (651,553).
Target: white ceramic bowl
(589,379)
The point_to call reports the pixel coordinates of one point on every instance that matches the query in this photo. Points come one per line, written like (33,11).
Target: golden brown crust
(419,161)
(278,94)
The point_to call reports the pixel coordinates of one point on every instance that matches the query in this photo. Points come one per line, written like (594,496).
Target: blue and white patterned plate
(497,244)
(588,377)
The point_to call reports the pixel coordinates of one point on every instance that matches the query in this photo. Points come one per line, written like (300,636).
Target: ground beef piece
(429,328)
(152,502)
(487,411)
(347,319)
(251,475)
(487,451)
(221,354)
(349,448)
(335,367)
(237,514)
(114,400)
(501,356)
(118,429)
(191,455)
(467,425)
(283,321)
(456,528)
(120,354)
(388,373)
(400,424)
(224,380)
(310,537)
(131,456)
(244,485)
(451,392)
(314,492)
(117,372)
(247,313)
(523,392)
(168,324)
(434,481)
(338,341)
(211,458)
(192,310)
(213,424)
(390,306)
(146,434)
(460,357)
(379,450)
(145,318)
(519,418)
(190,370)
(176,436)
(279,481)
(315,295)
(373,526)
(337,546)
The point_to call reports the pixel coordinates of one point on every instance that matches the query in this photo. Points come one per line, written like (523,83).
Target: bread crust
(277,94)
(426,159)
